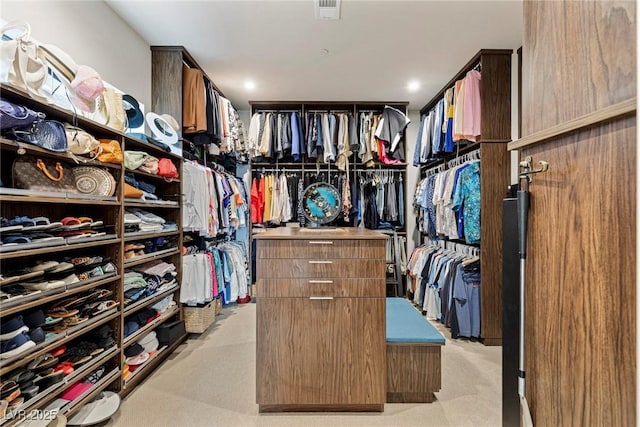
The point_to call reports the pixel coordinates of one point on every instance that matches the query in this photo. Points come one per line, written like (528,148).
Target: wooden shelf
(54,112)
(151,205)
(138,305)
(150,257)
(140,145)
(57,248)
(148,327)
(10,145)
(150,366)
(37,298)
(45,396)
(128,237)
(151,176)
(58,200)
(22,359)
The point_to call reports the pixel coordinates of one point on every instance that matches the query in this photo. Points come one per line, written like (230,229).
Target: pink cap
(87,86)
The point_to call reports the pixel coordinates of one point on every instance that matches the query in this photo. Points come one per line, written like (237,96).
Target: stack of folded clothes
(148,189)
(149,222)
(148,279)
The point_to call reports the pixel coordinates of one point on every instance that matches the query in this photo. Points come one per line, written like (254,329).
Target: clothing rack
(330,111)
(277,111)
(472,155)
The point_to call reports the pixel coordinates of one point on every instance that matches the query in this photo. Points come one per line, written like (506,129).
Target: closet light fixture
(249,85)
(413,85)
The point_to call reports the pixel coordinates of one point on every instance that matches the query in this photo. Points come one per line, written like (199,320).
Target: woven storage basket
(198,319)
(218,305)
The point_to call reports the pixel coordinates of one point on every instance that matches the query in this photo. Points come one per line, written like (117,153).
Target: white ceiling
(375,49)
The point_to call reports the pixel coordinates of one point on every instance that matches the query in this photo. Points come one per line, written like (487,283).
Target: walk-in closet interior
(320,212)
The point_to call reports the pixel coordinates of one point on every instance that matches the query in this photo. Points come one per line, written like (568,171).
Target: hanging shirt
(392,126)
(467,197)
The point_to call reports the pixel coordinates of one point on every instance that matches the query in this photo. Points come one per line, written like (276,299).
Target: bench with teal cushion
(413,354)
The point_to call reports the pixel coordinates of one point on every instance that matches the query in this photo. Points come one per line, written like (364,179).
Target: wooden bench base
(413,372)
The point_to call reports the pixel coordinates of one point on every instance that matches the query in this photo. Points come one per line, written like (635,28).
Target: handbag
(167,169)
(110,110)
(14,115)
(33,173)
(80,142)
(94,181)
(111,151)
(150,165)
(22,63)
(47,134)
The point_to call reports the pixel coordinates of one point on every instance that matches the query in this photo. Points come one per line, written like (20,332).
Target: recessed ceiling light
(413,85)
(249,85)
(324,51)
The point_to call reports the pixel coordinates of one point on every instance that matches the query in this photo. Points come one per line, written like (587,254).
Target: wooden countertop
(339,233)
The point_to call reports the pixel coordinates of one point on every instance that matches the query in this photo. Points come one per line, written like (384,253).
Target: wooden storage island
(320,320)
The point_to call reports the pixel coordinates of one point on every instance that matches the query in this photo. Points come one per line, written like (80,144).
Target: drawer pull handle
(320,262)
(321,298)
(320,242)
(320,281)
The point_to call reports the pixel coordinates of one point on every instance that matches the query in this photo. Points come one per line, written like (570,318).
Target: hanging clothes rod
(370,111)
(329,111)
(275,111)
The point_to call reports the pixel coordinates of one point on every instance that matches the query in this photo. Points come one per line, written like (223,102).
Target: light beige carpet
(210,381)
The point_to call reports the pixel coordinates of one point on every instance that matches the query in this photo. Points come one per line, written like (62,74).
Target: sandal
(65,367)
(61,312)
(75,320)
(104,306)
(43,362)
(73,223)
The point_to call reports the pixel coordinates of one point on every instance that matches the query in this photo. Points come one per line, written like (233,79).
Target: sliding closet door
(579,62)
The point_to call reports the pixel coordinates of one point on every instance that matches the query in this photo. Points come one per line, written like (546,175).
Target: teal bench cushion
(405,324)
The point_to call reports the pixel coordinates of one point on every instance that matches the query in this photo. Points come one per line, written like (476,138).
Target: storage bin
(169,332)
(218,306)
(198,319)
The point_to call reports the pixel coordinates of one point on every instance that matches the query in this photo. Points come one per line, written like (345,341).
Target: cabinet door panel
(280,350)
(346,352)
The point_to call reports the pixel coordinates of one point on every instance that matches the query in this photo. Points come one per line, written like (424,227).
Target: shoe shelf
(33,150)
(88,242)
(150,300)
(87,396)
(150,365)
(39,298)
(147,328)
(150,257)
(47,395)
(139,235)
(70,334)
(57,199)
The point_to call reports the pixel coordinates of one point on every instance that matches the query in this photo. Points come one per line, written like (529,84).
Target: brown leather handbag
(39,174)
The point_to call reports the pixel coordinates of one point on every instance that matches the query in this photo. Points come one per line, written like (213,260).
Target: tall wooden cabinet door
(344,351)
(280,351)
(581,265)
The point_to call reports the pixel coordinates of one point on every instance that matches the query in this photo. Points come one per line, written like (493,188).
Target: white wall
(92,34)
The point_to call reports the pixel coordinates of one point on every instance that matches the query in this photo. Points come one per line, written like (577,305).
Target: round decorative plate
(94,181)
(321,203)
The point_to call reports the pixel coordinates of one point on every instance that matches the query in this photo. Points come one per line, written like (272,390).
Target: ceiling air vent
(327,9)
